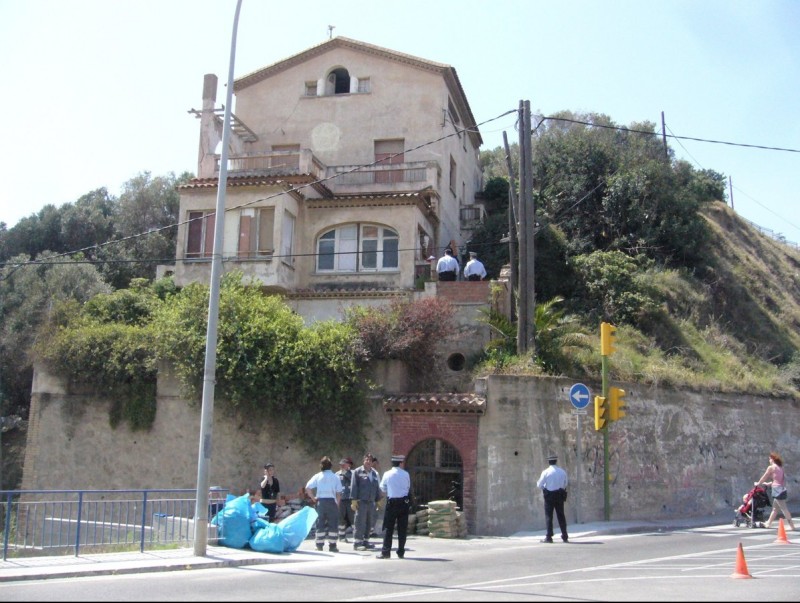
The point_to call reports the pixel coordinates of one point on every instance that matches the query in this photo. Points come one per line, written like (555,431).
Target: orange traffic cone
(782,533)
(741,565)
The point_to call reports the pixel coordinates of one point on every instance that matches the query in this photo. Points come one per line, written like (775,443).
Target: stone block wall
(675,454)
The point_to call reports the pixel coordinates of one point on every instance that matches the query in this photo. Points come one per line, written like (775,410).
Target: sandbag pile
(412,523)
(444,520)
(421,522)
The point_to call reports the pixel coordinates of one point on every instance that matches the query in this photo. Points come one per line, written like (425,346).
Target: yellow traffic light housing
(617,403)
(607,338)
(600,413)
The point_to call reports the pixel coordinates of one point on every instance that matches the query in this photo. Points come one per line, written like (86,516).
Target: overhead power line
(457,132)
(634,131)
(97,246)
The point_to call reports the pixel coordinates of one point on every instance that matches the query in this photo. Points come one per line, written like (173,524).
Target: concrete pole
(522,290)
(530,217)
(513,213)
(210,367)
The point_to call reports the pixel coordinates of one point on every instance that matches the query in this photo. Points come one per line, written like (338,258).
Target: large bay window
(358,248)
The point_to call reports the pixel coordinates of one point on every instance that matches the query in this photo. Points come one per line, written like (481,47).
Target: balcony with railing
(339,179)
(275,163)
(472,216)
(398,177)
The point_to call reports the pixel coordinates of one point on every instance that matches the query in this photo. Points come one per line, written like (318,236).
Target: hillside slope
(755,285)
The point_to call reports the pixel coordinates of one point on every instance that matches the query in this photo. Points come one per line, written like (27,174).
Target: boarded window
(389,152)
(200,234)
(256,226)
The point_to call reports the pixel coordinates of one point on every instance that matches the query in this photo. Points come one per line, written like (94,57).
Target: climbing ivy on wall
(269,364)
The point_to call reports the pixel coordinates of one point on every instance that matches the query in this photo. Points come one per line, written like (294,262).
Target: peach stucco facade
(345,149)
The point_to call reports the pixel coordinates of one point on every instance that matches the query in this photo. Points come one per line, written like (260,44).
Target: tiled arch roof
(470,403)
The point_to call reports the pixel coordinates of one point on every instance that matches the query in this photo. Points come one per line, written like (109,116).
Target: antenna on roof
(330,31)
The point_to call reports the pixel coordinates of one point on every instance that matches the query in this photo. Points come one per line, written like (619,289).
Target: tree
(87,222)
(145,226)
(28,293)
(410,331)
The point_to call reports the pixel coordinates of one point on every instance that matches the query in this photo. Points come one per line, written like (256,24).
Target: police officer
(396,485)
(447,266)
(553,482)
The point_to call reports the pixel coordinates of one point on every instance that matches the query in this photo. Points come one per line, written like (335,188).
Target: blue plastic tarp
(241,524)
(297,526)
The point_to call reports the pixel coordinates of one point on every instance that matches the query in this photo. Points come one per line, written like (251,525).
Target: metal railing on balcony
(53,522)
(472,215)
(274,163)
(379,174)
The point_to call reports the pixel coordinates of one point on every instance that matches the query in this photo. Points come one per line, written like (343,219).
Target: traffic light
(600,410)
(616,400)
(607,338)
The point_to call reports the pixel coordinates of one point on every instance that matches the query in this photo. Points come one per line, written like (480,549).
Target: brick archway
(449,417)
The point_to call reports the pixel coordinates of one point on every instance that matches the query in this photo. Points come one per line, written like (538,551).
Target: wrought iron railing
(51,522)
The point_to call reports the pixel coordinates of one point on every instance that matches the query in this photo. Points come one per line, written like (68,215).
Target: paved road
(695,563)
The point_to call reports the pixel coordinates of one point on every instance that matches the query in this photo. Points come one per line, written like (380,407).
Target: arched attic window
(338,82)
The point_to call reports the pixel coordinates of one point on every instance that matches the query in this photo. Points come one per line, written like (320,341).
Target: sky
(95,92)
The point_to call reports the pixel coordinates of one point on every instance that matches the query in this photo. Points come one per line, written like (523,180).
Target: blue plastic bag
(268,538)
(297,526)
(234,522)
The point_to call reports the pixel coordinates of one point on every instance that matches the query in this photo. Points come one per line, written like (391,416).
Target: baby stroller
(751,512)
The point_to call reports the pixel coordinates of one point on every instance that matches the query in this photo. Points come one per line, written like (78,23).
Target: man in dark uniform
(396,485)
(553,482)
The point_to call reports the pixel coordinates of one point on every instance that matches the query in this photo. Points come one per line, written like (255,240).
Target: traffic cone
(741,565)
(782,533)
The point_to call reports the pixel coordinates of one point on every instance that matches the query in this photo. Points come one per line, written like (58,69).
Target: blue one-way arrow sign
(579,396)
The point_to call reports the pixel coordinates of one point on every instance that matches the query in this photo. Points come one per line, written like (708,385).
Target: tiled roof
(291,182)
(238,181)
(440,403)
(348,292)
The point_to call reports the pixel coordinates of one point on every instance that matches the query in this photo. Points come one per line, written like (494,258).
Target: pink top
(778,476)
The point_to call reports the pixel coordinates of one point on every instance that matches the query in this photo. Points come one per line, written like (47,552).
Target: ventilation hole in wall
(456,362)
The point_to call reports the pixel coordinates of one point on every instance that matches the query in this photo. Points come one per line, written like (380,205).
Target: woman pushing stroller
(774,476)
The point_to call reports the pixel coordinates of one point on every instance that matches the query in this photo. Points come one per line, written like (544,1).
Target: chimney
(210,130)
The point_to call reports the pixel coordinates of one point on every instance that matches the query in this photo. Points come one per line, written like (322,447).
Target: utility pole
(530,213)
(522,292)
(664,135)
(210,366)
(526,328)
(730,190)
(513,212)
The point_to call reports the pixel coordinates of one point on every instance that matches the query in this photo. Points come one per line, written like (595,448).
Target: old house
(350,168)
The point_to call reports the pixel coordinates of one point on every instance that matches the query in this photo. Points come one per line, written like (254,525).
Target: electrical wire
(457,132)
(633,131)
(292,189)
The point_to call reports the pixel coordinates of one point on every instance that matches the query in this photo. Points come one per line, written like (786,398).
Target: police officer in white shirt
(553,482)
(447,266)
(396,485)
(474,270)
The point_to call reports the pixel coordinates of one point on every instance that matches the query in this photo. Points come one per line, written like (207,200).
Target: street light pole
(209,371)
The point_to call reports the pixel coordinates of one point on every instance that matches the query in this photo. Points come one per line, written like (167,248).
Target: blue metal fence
(49,522)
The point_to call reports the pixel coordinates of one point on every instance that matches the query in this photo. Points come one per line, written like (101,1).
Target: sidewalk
(40,568)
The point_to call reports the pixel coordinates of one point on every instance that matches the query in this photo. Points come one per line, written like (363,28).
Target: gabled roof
(446,71)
